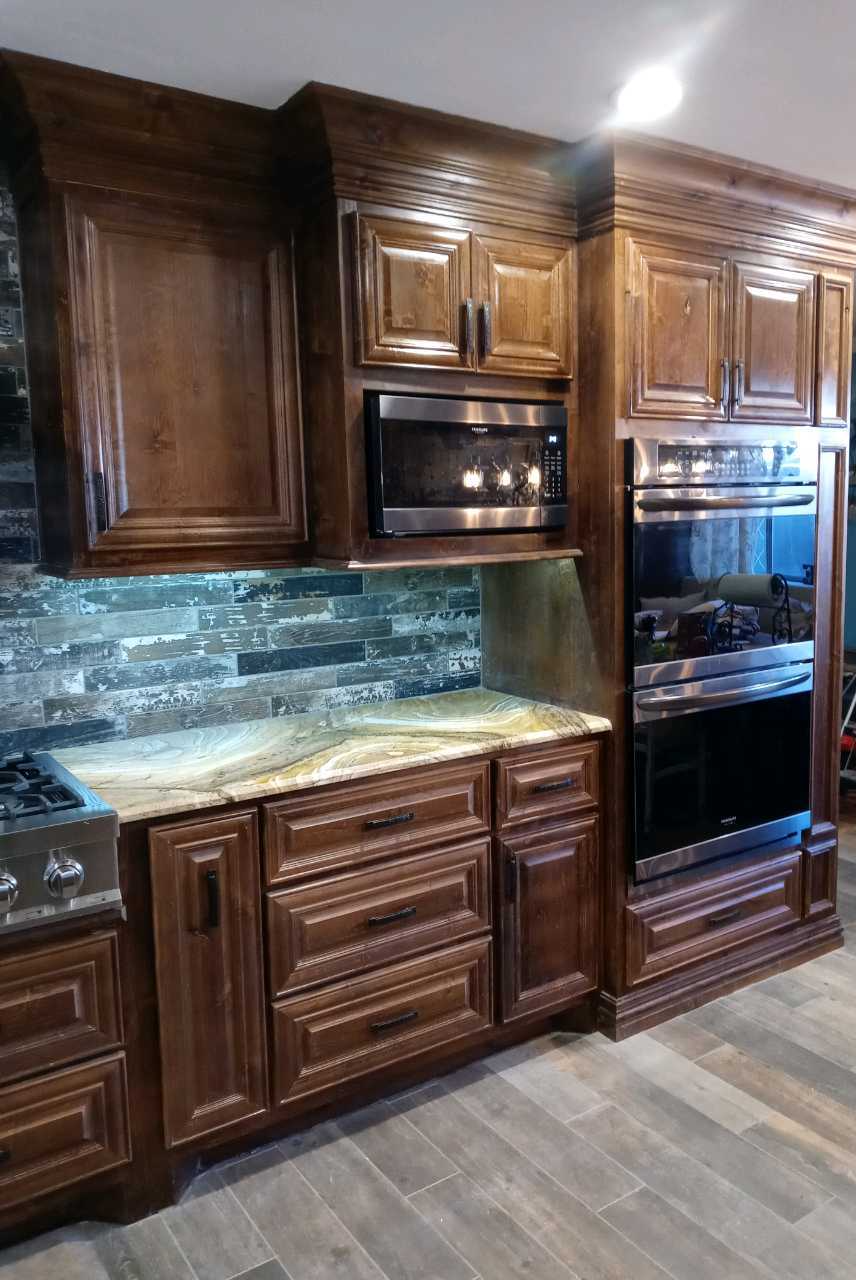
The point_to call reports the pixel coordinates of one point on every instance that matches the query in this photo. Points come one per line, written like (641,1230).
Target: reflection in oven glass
(722,586)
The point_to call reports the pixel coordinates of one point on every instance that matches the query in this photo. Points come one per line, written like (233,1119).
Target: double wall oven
(720,622)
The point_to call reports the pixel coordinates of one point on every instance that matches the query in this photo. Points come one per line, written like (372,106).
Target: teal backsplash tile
(119,657)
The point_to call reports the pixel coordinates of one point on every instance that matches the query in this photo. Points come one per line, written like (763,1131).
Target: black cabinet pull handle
(468,327)
(213,887)
(398,1021)
(486,329)
(99,501)
(725,917)
(562,785)
(510,876)
(404,914)
(374,824)
(5,1155)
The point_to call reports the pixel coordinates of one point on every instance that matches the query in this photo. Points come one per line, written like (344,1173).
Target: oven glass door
(447,466)
(719,573)
(720,766)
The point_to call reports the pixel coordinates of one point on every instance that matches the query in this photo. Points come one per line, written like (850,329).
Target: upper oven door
(464,466)
(722,579)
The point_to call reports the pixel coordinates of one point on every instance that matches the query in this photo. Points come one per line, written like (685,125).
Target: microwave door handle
(711,503)
(685,701)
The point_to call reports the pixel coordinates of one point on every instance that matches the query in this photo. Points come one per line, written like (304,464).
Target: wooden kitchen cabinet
(550,931)
(208,957)
(415,304)
(773,344)
(679,349)
(525,293)
(834,348)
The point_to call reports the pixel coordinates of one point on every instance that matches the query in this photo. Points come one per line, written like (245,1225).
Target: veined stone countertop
(170,773)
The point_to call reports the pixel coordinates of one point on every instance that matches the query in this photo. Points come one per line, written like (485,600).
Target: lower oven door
(721,766)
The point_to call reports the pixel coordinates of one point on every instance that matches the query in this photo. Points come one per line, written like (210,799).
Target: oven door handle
(701,503)
(679,701)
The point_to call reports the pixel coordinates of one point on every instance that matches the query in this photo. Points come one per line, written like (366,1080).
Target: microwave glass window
(702,587)
(448,465)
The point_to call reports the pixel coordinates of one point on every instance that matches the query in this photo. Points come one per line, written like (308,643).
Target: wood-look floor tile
(685,1038)
(575,1165)
(306,1236)
(528,1067)
(272,1270)
(714,1098)
(686,1250)
(60,1255)
(485,1235)
(213,1232)
(788,1194)
(788,989)
(409,1161)
(145,1250)
(583,1241)
(391,1231)
(800,1148)
(835,1226)
(824,1037)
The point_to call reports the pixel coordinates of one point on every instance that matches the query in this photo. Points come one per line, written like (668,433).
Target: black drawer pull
(375,824)
(725,917)
(5,1155)
(562,785)
(404,914)
(213,899)
(398,1021)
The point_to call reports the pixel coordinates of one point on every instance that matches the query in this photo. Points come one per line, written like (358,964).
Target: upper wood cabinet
(208,957)
(427,294)
(414,294)
(678,334)
(526,307)
(156,268)
(834,348)
(723,339)
(773,344)
(187,395)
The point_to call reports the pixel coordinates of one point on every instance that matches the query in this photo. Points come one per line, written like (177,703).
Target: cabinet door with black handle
(549,917)
(207,924)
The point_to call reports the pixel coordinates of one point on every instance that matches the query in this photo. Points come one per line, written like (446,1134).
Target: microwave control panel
(553,486)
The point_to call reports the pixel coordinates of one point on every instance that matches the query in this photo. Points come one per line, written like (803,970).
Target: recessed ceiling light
(649,95)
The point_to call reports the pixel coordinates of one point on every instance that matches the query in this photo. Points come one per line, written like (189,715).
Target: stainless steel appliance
(722,564)
(58,845)
(720,627)
(445,466)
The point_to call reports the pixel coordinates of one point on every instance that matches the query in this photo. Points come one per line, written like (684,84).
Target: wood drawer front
(339,1033)
(58,1003)
(347,924)
(62,1128)
(704,919)
(547,784)
(326,831)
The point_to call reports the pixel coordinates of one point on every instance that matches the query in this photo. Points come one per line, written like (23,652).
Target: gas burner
(28,787)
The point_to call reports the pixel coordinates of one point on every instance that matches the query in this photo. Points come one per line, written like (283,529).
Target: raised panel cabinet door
(834,349)
(184,349)
(413,294)
(550,917)
(208,957)
(677,345)
(774,344)
(526,307)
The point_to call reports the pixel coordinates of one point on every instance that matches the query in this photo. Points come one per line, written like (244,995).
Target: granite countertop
(198,768)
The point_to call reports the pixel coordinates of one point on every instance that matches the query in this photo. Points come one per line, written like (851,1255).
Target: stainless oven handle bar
(702,503)
(681,700)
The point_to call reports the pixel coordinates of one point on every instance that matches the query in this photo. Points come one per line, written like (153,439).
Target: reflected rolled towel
(752,588)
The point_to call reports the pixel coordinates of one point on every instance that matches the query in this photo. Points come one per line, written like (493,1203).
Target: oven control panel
(681,463)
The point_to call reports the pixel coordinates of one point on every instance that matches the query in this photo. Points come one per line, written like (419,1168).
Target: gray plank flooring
(721,1145)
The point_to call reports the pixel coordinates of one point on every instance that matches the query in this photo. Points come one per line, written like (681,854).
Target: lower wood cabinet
(376,1022)
(208,955)
(712,916)
(61,1128)
(550,917)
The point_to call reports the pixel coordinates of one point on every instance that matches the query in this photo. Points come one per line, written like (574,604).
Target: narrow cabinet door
(834,349)
(526,296)
(677,346)
(549,917)
(413,304)
(207,923)
(774,344)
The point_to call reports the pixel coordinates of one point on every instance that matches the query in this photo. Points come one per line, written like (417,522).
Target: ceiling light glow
(649,95)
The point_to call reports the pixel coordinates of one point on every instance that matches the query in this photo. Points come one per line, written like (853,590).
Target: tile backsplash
(119,657)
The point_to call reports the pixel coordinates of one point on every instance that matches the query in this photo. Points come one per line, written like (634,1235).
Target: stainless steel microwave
(446,466)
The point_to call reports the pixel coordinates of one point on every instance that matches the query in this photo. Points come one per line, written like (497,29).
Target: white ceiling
(769,80)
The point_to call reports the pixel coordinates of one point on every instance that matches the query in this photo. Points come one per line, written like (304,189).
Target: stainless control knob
(8,892)
(64,878)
